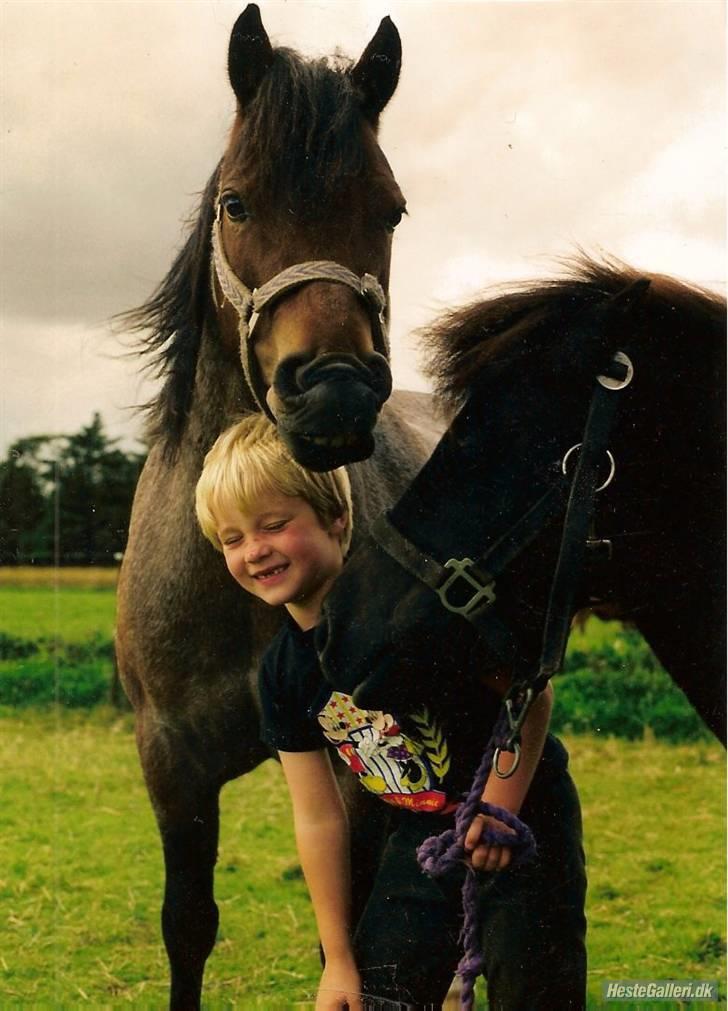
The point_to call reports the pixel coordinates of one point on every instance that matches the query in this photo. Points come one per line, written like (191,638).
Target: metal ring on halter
(609,382)
(516,760)
(612,466)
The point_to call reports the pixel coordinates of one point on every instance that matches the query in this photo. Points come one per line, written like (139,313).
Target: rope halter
(250,303)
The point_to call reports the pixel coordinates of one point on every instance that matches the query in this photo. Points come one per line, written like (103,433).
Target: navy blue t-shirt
(422,758)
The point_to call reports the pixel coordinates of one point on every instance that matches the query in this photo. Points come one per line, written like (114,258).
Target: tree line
(66,499)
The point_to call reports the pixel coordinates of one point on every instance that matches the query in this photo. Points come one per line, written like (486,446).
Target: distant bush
(615,687)
(74,674)
(98,647)
(619,688)
(33,683)
(12,647)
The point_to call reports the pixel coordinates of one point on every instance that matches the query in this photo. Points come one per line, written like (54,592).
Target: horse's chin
(326,452)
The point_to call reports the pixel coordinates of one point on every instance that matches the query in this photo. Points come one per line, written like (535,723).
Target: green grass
(55,643)
(593,634)
(72,613)
(82,875)
(655,839)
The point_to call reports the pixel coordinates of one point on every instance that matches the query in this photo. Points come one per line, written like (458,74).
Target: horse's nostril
(299,377)
(330,368)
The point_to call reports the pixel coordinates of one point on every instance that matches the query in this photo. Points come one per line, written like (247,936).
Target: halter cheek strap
(250,303)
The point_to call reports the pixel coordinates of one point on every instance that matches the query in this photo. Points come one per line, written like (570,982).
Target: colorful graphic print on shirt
(401,769)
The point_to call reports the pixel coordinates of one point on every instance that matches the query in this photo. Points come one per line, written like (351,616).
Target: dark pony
(518,370)
(276,302)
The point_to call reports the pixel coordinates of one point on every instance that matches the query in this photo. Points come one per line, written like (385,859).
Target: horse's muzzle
(329,406)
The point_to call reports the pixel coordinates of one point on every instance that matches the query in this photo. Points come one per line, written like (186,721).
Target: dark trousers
(533,919)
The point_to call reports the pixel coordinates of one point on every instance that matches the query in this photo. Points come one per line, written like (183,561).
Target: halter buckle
(371,289)
(615,382)
(460,567)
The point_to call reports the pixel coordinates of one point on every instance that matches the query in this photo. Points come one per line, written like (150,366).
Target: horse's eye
(234,207)
(394,219)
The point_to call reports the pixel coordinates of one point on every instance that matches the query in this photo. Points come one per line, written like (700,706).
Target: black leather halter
(577,496)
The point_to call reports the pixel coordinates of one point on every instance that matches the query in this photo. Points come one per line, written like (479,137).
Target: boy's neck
(305,617)
(306,611)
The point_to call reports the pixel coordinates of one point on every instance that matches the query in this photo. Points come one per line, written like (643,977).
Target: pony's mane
(524,321)
(170,323)
(301,133)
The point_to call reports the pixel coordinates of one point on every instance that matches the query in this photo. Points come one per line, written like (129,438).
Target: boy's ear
(338,526)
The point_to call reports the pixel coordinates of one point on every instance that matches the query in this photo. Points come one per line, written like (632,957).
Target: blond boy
(284,533)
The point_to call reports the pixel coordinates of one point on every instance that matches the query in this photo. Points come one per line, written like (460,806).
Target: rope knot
(439,854)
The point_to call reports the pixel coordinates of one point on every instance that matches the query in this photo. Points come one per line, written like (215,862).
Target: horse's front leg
(184,792)
(189,913)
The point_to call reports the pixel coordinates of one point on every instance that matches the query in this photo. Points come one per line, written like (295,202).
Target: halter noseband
(250,303)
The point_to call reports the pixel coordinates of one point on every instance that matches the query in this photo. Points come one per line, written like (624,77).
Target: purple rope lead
(440,853)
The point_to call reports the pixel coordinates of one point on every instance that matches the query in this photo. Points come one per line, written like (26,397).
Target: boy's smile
(281,552)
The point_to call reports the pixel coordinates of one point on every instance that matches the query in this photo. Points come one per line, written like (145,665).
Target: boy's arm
(322,838)
(510,793)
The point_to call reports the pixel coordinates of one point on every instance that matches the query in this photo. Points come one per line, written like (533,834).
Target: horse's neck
(220,393)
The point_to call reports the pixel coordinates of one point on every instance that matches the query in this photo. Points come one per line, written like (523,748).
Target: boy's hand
(487,856)
(339,988)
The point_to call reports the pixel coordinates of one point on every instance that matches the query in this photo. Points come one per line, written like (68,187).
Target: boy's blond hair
(249,461)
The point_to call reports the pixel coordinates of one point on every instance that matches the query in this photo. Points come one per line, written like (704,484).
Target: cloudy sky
(519,131)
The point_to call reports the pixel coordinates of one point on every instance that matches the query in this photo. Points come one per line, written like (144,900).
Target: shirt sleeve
(285,722)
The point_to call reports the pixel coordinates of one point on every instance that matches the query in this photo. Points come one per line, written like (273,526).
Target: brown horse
(277,301)
(522,367)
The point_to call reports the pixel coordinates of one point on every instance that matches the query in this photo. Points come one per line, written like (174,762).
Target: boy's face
(282,553)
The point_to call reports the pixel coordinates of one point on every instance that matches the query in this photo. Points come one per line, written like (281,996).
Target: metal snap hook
(516,761)
(612,466)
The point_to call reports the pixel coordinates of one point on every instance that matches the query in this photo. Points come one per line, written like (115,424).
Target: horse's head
(306,208)
(473,543)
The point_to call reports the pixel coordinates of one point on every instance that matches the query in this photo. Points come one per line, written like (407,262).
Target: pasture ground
(70,603)
(81,877)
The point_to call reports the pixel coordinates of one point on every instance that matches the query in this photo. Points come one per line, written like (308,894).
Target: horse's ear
(376,74)
(250,54)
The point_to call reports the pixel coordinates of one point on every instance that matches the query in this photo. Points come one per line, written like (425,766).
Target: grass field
(82,873)
(72,604)
(40,577)
(82,876)
(72,613)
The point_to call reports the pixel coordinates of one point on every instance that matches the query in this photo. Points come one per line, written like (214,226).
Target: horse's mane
(302,132)
(523,323)
(300,136)
(171,322)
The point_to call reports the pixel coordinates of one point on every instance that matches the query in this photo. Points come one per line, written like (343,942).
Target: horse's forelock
(301,134)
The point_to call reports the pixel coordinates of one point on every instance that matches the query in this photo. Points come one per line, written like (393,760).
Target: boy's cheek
(232,568)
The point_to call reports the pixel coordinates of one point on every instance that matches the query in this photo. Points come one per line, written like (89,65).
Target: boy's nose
(256,550)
